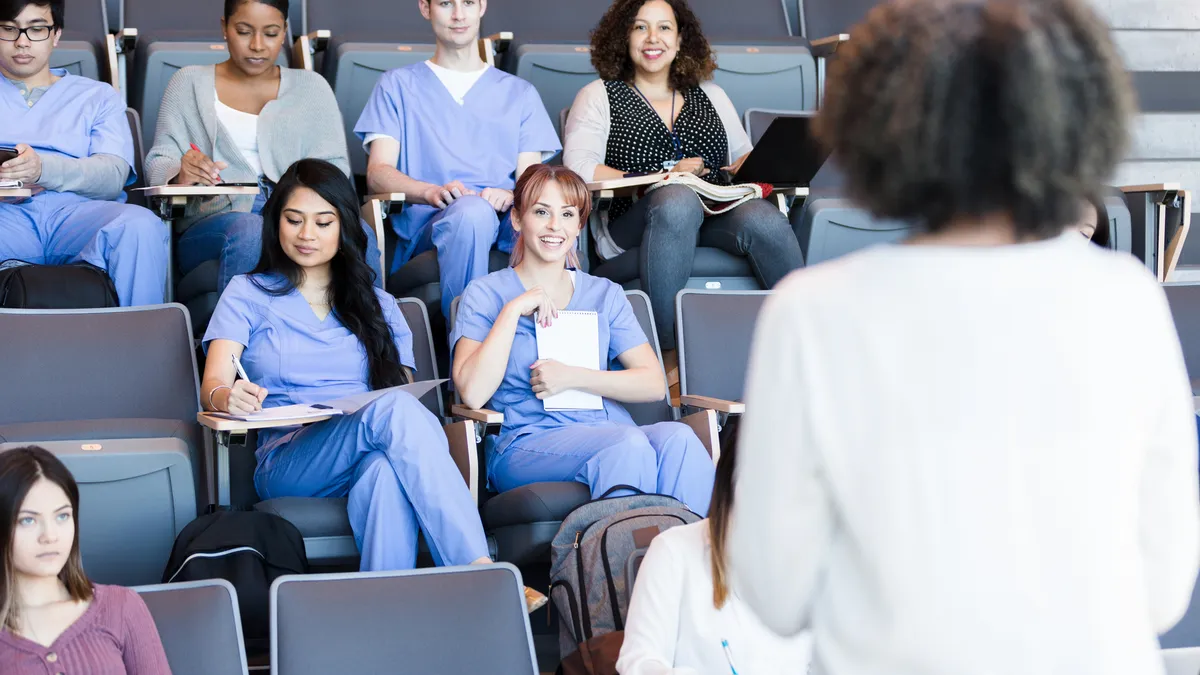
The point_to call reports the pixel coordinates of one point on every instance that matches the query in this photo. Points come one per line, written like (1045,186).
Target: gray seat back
(82,47)
(369,38)
(171,35)
(418,322)
(825,18)
(1183,661)
(829,227)
(132,194)
(199,624)
(655,411)
(757,120)
(115,15)
(716,329)
(443,620)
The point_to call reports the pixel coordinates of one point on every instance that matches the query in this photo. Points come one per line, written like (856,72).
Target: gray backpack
(592,560)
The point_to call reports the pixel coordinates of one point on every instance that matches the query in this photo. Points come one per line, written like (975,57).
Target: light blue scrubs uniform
(441,141)
(390,458)
(602,448)
(78,118)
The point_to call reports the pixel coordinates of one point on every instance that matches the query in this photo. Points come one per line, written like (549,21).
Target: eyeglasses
(34,33)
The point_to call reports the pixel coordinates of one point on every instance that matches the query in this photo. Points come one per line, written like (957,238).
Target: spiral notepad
(574,339)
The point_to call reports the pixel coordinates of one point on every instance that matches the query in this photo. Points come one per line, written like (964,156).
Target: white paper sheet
(573,339)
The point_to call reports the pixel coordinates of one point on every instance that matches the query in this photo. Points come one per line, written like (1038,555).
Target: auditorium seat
(829,225)
(84,49)
(366,38)
(1184,299)
(715,332)
(171,35)
(200,626)
(468,619)
(523,521)
(550,47)
(113,393)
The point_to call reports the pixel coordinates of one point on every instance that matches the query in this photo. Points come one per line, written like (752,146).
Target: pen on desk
(729,656)
(237,363)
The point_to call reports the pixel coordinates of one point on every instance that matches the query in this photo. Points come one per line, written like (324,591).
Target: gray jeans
(668,224)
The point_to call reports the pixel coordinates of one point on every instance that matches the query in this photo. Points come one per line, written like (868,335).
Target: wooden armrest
(493,44)
(125,40)
(791,191)
(1154,187)
(218,423)
(717,404)
(306,46)
(387,198)
(828,46)
(622,187)
(464,451)
(16,193)
(171,191)
(481,415)
(704,424)
(1174,248)
(502,36)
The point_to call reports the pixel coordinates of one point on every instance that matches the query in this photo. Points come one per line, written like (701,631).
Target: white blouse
(243,129)
(673,628)
(969,460)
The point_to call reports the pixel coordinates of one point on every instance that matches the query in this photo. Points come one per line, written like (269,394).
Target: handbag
(78,285)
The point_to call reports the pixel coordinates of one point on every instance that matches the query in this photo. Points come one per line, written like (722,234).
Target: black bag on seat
(76,286)
(249,549)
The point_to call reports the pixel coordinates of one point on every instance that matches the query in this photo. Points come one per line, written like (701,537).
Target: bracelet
(212,406)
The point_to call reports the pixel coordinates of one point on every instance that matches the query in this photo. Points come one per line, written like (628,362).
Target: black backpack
(76,286)
(249,549)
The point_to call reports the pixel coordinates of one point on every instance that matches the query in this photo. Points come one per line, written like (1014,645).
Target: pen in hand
(728,656)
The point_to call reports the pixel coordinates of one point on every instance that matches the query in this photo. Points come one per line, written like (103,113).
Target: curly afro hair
(942,109)
(694,62)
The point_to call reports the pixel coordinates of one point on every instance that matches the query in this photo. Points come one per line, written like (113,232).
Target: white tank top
(243,128)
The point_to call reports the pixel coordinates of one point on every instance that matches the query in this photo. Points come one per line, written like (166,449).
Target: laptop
(788,154)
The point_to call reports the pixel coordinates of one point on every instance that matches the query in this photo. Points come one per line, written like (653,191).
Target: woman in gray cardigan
(244,120)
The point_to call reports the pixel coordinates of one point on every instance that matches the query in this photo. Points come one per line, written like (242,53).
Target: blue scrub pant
(664,458)
(56,228)
(463,234)
(235,238)
(392,460)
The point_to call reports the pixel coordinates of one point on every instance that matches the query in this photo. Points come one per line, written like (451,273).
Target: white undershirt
(243,129)
(456,82)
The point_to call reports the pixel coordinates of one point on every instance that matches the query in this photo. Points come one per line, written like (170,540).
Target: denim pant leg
(233,237)
(760,232)
(670,219)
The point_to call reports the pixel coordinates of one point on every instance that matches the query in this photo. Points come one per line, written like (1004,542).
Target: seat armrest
(165,199)
(704,424)
(375,212)
(1154,187)
(464,450)
(621,187)
(125,40)
(716,404)
(306,46)
(828,46)
(492,45)
(220,423)
(223,429)
(482,415)
(16,194)
(387,198)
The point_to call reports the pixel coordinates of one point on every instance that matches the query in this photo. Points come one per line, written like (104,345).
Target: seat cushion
(313,516)
(423,269)
(709,262)
(534,503)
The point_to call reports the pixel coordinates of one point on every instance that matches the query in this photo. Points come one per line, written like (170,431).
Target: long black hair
(232,5)
(352,295)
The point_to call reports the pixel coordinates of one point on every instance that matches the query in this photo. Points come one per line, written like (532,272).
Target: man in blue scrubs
(453,135)
(76,152)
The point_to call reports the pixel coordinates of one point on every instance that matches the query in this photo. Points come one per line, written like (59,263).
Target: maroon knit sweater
(115,636)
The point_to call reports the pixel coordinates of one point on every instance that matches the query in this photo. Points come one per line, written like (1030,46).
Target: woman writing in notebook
(496,364)
(654,109)
(308,327)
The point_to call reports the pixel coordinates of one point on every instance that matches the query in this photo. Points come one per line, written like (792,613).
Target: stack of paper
(572,339)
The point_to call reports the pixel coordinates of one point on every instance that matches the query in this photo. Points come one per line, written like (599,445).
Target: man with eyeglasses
(75,150)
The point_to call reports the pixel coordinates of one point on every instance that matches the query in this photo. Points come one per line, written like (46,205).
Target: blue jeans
(235,238)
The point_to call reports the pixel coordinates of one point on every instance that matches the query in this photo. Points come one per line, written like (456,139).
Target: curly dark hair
(694,62)
(943,109)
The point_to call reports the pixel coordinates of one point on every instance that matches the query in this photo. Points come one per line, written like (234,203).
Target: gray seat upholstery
(521,522)
(419,278)
(328,538)
(711,268)
(444,620)
(830,226)
(82,49)
(124,380)
(1184,661)
(1184,300)
(171,36)
(823,18)
(716,329)
(199,624)
(368,39)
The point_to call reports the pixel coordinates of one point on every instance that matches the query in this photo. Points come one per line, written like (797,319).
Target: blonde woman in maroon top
(52,619)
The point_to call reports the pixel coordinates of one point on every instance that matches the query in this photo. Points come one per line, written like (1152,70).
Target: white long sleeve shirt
(961,461)
(673,628)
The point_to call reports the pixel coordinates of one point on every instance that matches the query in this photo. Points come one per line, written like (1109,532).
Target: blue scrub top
(76,117)
(523,412)
(441,141)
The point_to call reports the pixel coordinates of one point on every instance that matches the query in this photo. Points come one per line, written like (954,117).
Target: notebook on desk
(572,339)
